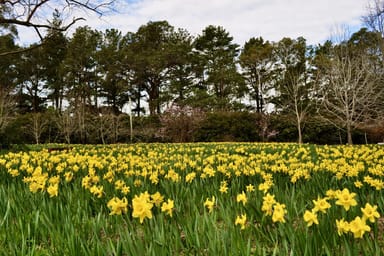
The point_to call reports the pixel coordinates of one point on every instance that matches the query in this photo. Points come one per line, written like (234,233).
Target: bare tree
(352,95)
(374,19)
(33,14)
(7,108)
(107,125)
(66,124)
(293,82)
(38,124)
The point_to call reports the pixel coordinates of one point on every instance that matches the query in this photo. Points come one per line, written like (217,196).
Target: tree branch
(22,50)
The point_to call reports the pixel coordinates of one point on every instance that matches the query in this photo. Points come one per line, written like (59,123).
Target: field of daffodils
(193,199)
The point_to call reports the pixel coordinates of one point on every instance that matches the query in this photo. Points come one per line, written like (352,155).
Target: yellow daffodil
(241,220)
(250,188)
(358,184)
(190,177)
(346,199)
(311,218)
(142,207)
(264,187)
(137,183)
(210,203)
(125,190)
(223,187)
(68,176)
(157,199)
(278,213)
(358,227)
(119,184)
(331,194)
(242,198)
(167,207)
(14,172)
(342,226)
(53,190)
(268,203)
(321,205)
(370,212)
(97,191)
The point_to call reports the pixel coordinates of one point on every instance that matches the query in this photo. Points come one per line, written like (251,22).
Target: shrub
(229,126)
(179,123)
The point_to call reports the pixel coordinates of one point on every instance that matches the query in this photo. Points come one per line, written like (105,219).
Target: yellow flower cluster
(320,205)
(123,174)
(346,199)
(118,206)
(359,226)
(141,205)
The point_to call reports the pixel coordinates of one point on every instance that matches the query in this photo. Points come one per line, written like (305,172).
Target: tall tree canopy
(219,75)
(156,48)
(257,63)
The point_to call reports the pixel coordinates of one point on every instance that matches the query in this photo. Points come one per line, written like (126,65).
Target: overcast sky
(272,19)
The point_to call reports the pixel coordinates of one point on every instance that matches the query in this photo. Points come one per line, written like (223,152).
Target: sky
(315,20)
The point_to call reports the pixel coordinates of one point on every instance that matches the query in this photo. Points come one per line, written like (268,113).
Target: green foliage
(146,129)
(217,55)
(157,50)
(285,130)
(255,59)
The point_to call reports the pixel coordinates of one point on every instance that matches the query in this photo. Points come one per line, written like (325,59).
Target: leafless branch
(22,50)
(30,13)
(353,94)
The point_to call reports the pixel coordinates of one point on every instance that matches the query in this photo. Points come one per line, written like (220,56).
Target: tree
(80,75)
(55,49)
(106,126)
(115,75)
(8,69)
(7,108)
(218,74)
(374,19)
(31,83)
(292,78)
(32,14)
(181,75)
(66,124)
(153,47)
(353,94)
(256,61)
(8,81)
(37,125)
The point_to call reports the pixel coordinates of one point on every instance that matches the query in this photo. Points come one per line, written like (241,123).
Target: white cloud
(243,19)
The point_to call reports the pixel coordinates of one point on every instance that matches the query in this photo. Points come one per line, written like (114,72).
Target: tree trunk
(299,118)
(258,94)
(299,131)
(153,101)
(349,134)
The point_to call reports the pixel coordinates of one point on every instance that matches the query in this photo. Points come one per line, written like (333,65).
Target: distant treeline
(185,88)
